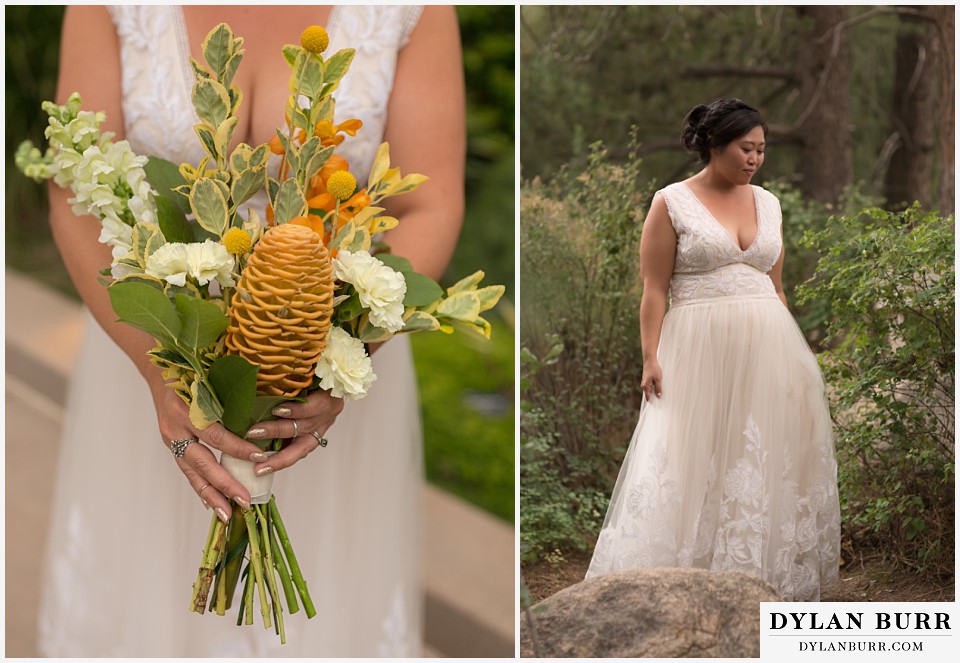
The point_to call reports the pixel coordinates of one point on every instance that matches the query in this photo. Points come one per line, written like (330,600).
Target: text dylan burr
(854,621)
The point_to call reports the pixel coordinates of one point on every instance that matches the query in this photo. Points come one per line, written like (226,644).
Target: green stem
(248,597)
(212,553)
(236,536)
(268,571)
(255,559)
(298,580)
(288,591)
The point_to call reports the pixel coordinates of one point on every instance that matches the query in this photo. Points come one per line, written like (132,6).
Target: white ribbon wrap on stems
(260,488)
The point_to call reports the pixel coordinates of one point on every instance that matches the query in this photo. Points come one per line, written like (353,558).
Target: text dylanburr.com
(841,631)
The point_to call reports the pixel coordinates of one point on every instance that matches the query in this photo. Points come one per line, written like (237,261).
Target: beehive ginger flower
(205,262)
(381,288)
(344,367)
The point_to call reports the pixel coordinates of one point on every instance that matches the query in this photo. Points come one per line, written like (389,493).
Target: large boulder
(658,613)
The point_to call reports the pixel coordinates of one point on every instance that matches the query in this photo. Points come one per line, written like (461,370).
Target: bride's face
(740,160)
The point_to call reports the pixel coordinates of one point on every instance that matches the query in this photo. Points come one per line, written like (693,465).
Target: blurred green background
(466,388)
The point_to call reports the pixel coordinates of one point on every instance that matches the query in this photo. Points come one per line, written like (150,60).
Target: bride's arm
(658,250)
(426,129)
(90,65)
(776,273)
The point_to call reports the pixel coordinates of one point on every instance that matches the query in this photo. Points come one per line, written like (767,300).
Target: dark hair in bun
(717,125)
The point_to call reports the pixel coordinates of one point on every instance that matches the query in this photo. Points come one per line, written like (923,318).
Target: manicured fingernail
(257,433)
(264,470)
(281,411)
(242,502)
(204,502)
(256,457)
(222,515)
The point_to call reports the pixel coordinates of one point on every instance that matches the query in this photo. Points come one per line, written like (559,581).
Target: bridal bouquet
(247,316)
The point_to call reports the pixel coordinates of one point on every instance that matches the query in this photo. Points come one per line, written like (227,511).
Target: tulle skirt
(127,531)
(733,469)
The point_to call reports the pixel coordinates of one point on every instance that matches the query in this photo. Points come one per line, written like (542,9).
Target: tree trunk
(913,112)
(945,17)
(826,154)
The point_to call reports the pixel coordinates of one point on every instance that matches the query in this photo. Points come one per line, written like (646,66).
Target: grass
(466,394)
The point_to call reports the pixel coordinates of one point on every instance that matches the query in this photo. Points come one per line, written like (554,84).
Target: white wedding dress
(127,531)
(733,469)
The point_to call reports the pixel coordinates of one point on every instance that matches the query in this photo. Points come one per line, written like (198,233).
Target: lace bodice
(709,263)
(157,77)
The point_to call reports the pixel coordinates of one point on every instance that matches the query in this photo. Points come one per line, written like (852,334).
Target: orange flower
(312,221)
(329,133)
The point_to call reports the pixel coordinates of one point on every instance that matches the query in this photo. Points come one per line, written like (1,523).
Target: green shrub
(800,216)
(889,279)
(579,244)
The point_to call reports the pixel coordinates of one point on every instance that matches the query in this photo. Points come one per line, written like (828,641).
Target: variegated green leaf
(209,206)
(207,138)
(248,184)
(382,224)
(369,333)
(336,66)
(204,408)
(318,161)
(217,49)
(155,241)
(211,101)
(309,73)
(344,235)
(198,69)
(290,53)
(231,67)
(259,156)
(290,203)
(419,321)
(359,242)
(479,328)
(461,306)
(489,296)
(225,134)
(467,283)
(171,290)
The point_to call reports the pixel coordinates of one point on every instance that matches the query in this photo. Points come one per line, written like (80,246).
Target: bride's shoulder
(765,195)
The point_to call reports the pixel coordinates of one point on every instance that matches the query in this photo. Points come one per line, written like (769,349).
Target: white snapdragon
(205,262)
(118,235)
(381,288)
(344,367)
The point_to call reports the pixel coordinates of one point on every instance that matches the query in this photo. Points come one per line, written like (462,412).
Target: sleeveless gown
(127,531)
(733,469)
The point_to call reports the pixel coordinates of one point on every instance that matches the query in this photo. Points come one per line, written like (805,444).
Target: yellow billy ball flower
(341,185)
(237,241)
(315,39)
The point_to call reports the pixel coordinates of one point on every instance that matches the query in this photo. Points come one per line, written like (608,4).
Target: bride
(731,466)
(126,532)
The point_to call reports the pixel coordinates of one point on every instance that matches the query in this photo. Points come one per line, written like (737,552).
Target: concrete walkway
(469,560)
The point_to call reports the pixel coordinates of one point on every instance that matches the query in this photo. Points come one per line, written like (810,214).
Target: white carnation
(210,261)
(205,262)
(169,262)
(381,288)
(344,367)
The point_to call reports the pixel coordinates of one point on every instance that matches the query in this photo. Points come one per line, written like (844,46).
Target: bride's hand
(652,381)
(210,481)
(303,423)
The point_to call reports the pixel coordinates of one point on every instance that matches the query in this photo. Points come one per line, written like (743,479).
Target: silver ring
(179,447)
(296,429)
(322,441)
